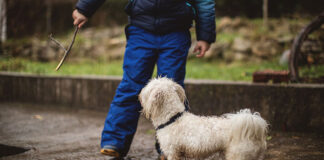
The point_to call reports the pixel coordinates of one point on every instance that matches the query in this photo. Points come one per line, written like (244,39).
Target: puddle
(6,150)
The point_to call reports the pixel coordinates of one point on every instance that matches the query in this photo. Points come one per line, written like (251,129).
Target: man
(158,33)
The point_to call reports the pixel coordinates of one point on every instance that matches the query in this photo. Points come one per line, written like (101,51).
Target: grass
(196,68)
(226,37)
(85,67)
(236,71)
(312,71)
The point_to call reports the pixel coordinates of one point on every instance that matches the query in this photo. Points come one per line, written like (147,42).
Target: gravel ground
(58,132)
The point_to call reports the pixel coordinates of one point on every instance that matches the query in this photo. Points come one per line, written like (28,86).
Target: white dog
(240,136)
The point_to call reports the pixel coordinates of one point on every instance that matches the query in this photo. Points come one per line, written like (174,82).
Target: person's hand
(79,19)
(201,47)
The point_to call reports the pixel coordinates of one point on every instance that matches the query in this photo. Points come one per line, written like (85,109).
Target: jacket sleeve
(88,7)
(205,20)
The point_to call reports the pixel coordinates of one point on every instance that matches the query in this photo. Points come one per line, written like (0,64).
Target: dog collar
(172,119)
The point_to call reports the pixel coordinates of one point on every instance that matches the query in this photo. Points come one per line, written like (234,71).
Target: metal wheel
(307,53)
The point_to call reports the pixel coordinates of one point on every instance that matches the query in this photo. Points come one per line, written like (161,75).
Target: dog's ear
(181,92)
(154,102)
(158,98)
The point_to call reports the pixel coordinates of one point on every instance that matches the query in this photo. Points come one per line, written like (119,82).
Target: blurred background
(61,117)
(252,35)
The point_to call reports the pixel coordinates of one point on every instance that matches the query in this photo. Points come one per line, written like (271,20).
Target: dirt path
(52,132)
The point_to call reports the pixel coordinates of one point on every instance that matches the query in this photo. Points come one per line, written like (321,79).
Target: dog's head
(161,95)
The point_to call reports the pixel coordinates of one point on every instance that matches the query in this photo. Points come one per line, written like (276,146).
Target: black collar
(172,119)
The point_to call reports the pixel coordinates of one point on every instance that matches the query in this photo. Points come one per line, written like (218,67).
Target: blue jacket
(164,16)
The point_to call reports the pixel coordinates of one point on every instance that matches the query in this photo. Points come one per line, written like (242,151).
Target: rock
(27,50)
(98,52)
(238,56)
(237,23)
(51,54)
(285,40)
(17,49)
(47,53)
(116,42)
(43,50)
(284,59)
(245,31)
(93,33)
(311,46)
(265,48)
(228,24)
(241,45)
(224,23)
(216,50)
(115,54)
(228,56)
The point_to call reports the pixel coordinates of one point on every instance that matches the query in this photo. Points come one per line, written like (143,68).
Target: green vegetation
(312,71)
(86,67)
(196,68)
(225,37)
(236,71)
(92,51)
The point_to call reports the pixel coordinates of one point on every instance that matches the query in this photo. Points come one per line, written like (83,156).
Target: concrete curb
(288,107)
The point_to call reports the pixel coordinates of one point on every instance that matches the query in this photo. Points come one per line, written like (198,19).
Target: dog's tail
(248,126)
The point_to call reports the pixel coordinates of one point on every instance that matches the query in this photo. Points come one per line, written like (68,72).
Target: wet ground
(56,132)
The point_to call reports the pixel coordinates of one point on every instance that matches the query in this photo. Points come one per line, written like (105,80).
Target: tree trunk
(48,16)
(265,14)
(3,20)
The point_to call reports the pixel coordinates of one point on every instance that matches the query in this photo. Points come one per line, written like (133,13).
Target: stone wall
(292,107)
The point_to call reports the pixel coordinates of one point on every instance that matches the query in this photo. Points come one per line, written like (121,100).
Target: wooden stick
(56,42)
(67,51)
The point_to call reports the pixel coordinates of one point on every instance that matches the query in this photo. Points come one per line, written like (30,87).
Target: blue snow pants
(143,51)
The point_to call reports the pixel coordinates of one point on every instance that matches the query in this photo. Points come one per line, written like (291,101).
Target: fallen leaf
(39,117)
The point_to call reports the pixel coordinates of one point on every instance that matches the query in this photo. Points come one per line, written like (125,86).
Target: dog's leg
(261,154)
(245,150)
(174,156)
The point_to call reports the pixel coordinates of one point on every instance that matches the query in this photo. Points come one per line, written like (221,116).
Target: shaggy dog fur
(240,136)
